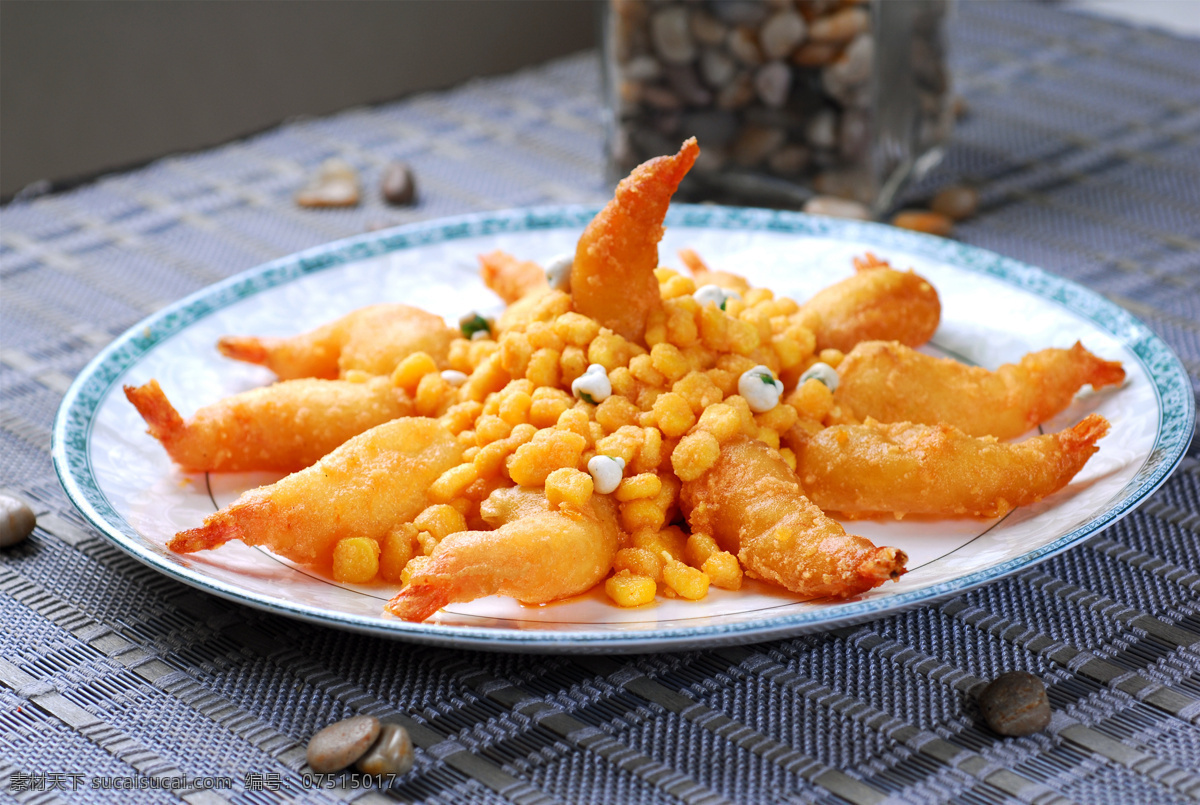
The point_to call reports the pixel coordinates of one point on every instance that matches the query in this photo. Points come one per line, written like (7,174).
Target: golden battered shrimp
(889,382)
(902,468)
(612,279)
(876,303)
(752,505)
(365,488)
(706,276)
(535,555)
(371,339)
(284,427)
(511,278)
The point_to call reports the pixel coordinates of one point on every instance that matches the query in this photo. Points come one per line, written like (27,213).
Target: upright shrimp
(535,555)
(753,506)
(902,468)
(889,382)
(372,339)
(365,488)
(878,302)
(612,279)
(283,427)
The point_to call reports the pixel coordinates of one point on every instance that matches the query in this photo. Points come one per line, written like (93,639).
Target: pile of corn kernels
(669,411)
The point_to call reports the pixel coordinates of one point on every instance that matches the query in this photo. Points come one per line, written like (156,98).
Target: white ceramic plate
(994,311)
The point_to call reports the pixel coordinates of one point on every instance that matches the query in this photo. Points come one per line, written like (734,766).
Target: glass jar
(787,98)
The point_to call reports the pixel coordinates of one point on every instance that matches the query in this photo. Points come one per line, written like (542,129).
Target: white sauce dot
(453,377)
(558,272)
(823,372)
(760,389)
(594,383)
(480,335)
(715,294)
(606,473)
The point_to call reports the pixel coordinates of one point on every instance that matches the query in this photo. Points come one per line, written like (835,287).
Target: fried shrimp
(878,302)
(371,484)
(511,278)
(613,280)
(284,427)
(535,555)
(889,382)
(371,339)
(706,276)
(752,504)
(902,468)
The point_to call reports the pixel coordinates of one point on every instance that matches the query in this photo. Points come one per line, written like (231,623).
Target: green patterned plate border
(76,416)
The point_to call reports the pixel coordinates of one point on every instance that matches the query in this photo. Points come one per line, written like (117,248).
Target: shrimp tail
(245,348)
(165,423)
(419,600)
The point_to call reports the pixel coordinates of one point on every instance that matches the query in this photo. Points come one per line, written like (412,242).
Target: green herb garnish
(474,324)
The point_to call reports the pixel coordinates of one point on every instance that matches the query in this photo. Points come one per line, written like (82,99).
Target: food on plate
(372,339)
(368,487)
(534,554)
(889,382)
(612,280)
(619,424)
(904,468)
(751,503)
(878,302)
(284,427)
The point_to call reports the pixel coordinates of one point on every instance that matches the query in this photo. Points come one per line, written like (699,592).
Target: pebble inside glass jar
(787,98)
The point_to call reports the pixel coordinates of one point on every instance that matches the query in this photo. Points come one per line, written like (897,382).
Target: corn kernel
(615,412)
(515,352)
(681,324)
(687,582)
(699,391)
(461,416)
(545,411)
(639,562)
(395,551)
(489,377)
(673,414)
(427,542)
(490,428)
(721,420)
(542,335)
(778,419)
(695,454)
(440,520)
(723,570)
(642,368)
(644,485)
(623,382)
(415,567)
(651,454)
(624,443)
(627,590)
(572,364)
(641,515)
(656,327)
(567,486)
(549,450)
(576,329)
(410,371)
(788,457)
(355,560)
(677,286)
(514,408)
(452,482)
(812,400)
(833,357)
(543,367)
(434,395)
(700,546)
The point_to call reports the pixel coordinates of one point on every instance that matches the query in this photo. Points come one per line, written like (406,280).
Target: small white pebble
(760,389)
(454,377)
(606,473)
(715,294)
(823,372)
(593,385)
(558,272)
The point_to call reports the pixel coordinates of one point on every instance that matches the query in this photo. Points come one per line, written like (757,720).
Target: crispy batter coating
(370,485)
(876,303)
(613,279)
(284,427)
(509,277)
(902,468)
(535,555)
(752,504)
(372,339)
(889,382)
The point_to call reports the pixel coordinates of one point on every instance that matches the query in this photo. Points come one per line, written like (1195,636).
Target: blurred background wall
(88,86)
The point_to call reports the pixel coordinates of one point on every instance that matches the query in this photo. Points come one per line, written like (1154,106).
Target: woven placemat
(1084,139)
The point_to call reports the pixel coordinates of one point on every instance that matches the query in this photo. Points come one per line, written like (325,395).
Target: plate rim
(70,441)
